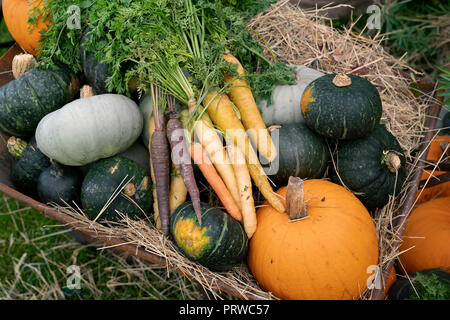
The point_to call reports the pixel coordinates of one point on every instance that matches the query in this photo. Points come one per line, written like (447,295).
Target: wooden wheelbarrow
(87,236)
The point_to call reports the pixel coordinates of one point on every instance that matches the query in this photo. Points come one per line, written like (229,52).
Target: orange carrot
(200,157)
(242,96)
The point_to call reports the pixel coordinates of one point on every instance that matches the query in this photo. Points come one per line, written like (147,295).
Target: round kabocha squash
(426,237)
(115,185)
(26,100)
(89,129)
(285,105)
(301,153)
(341,106)
(60,184)
(30,163)
(16,14)
(430,284)
(321,249)
(372,167)
(96,73)
(435,152)
(218,244)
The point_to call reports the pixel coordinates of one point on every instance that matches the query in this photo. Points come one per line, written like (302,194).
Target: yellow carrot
(178,190)
(242,96)
(213,145)
(221,112)
(245,188)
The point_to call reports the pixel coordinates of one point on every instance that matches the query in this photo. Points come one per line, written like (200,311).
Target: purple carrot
(161,159)
(181,156)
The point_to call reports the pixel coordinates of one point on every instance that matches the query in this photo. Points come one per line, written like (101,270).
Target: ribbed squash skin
(323,257)
(403,289)
(341,112)
(103,179)
(25,172)
(219,244)
(426,237)
(95,72)
(360,167)
(302,153)
(26,100)
(60,184)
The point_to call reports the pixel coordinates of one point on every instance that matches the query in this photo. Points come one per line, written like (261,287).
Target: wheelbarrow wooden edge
(92,236)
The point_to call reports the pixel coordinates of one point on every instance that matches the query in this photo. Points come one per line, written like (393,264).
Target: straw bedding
(306,38)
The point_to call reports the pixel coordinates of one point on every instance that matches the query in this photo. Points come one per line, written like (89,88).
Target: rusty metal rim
(405,210)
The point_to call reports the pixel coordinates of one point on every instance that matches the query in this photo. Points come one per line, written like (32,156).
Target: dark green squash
(219,244)
(431,284)
(60,184)
(372,167)
(104,180)
(26,100)
(341,107)
(31,163)
(96,73)
(301,153)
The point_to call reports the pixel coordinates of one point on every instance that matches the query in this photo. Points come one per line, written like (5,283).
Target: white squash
(146,108)
(89,129)
(286,99)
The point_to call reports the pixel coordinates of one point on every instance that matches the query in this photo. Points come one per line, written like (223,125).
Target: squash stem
(86,92)
(16,147)
(393,162)
(295,199)
(342,80)
(21,64)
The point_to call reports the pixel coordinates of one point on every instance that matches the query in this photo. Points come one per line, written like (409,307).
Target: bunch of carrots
(229,167)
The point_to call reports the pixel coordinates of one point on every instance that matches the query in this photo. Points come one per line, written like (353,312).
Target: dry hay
(306,38)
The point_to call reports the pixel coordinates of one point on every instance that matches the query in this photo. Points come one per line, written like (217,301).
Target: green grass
(35,253)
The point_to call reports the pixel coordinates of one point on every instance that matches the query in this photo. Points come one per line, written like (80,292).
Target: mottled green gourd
(372,167)
(341,106)
(96,73)
(36,93)
(301,153)
(105,178)
(30,163)
(431,284)
(218,244)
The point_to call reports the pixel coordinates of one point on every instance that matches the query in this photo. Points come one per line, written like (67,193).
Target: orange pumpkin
(326,255)
(442,190)
(427,237)
(16,14)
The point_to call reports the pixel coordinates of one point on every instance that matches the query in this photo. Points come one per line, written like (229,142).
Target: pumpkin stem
(21,64)
(342,80)
(295,202)
(86,92)
(16,147)
(393,162)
